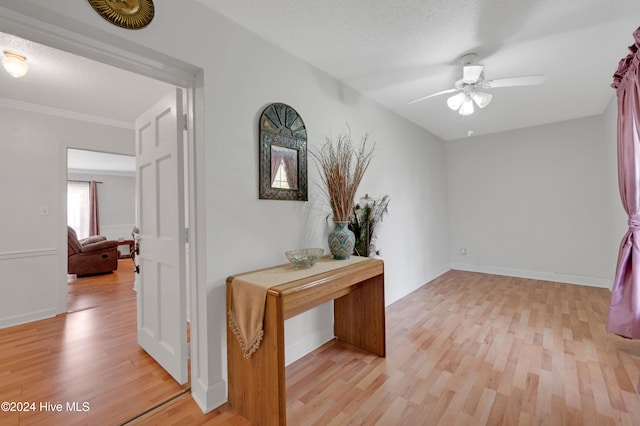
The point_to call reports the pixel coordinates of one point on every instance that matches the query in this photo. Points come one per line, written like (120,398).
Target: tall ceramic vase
(341,241)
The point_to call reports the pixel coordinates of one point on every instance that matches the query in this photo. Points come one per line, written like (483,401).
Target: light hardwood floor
(466,349)
(99,290)
(89,356)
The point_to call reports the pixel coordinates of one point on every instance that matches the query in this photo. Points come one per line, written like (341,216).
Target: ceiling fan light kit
(455,101)
(482,99)
(472,80)
(467,107)
(463,102)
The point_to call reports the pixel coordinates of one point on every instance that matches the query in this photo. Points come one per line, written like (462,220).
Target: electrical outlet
(463,251)
(44,210)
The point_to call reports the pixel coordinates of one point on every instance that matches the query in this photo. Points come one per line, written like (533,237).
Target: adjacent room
(101,191)
(494,132)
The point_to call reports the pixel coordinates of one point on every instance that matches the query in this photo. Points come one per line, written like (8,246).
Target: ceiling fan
(472,80)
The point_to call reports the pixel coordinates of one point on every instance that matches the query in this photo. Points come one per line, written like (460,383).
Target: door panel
(161,257)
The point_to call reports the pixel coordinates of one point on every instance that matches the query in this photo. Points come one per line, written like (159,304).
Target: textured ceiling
(71,85)
(392,51)
(68,82)
(397,50)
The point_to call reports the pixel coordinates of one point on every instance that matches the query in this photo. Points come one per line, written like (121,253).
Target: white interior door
(160,219)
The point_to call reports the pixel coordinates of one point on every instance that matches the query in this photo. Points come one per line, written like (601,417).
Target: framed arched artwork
(283,154)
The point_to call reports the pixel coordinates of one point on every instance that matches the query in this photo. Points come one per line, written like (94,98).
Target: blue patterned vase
(341,241)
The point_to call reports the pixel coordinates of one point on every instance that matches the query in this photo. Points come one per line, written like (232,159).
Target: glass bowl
(304,258)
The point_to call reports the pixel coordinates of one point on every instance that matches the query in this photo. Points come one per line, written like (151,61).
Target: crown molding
(58,112)
(95,172)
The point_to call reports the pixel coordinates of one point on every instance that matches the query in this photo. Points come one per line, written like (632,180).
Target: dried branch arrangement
(342,164)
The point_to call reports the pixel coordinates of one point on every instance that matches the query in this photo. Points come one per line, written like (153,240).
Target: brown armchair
(93,255)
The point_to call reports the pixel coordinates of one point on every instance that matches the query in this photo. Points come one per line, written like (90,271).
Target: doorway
(114,199)
(88,144)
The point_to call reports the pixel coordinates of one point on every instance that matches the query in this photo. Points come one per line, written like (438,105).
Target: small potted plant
(364,222)
(342,164)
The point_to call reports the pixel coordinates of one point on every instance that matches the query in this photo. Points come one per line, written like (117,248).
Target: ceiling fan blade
(431,96)
(472,73)
(529,80)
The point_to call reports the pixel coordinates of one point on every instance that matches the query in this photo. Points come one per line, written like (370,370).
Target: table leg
(359,316)
(257,388)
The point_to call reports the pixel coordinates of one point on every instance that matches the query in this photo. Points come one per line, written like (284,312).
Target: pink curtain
(291,169)
(276,159)
(624,311)
(94,220)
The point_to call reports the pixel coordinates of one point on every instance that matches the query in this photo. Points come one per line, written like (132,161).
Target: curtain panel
(624,310)
(94,219)
(291,170)
(82,208)
(276,159)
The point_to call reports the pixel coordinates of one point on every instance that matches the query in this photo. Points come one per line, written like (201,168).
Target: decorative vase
(341,241)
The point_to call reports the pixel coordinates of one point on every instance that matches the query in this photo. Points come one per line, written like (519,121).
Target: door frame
(149,63)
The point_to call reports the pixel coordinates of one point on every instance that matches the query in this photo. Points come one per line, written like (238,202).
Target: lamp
(15,63)
(463,101)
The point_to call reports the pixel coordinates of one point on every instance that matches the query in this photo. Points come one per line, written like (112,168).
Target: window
(78,207)
(280,180)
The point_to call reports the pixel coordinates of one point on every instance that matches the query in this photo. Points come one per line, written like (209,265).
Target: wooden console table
(257,388)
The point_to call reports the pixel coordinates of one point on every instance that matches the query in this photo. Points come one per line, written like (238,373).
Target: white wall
(537,202)
(31,153)
(534,202)
(246,233)
(241,75)
(116,202)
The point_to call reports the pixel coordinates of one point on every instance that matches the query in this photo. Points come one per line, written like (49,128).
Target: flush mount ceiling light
(15,63)
(472,80)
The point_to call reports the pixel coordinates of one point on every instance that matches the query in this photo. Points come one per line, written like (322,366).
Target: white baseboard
(311,341)
(437,272)
(208,398)
(392,296)
(535,275)
(31,316)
